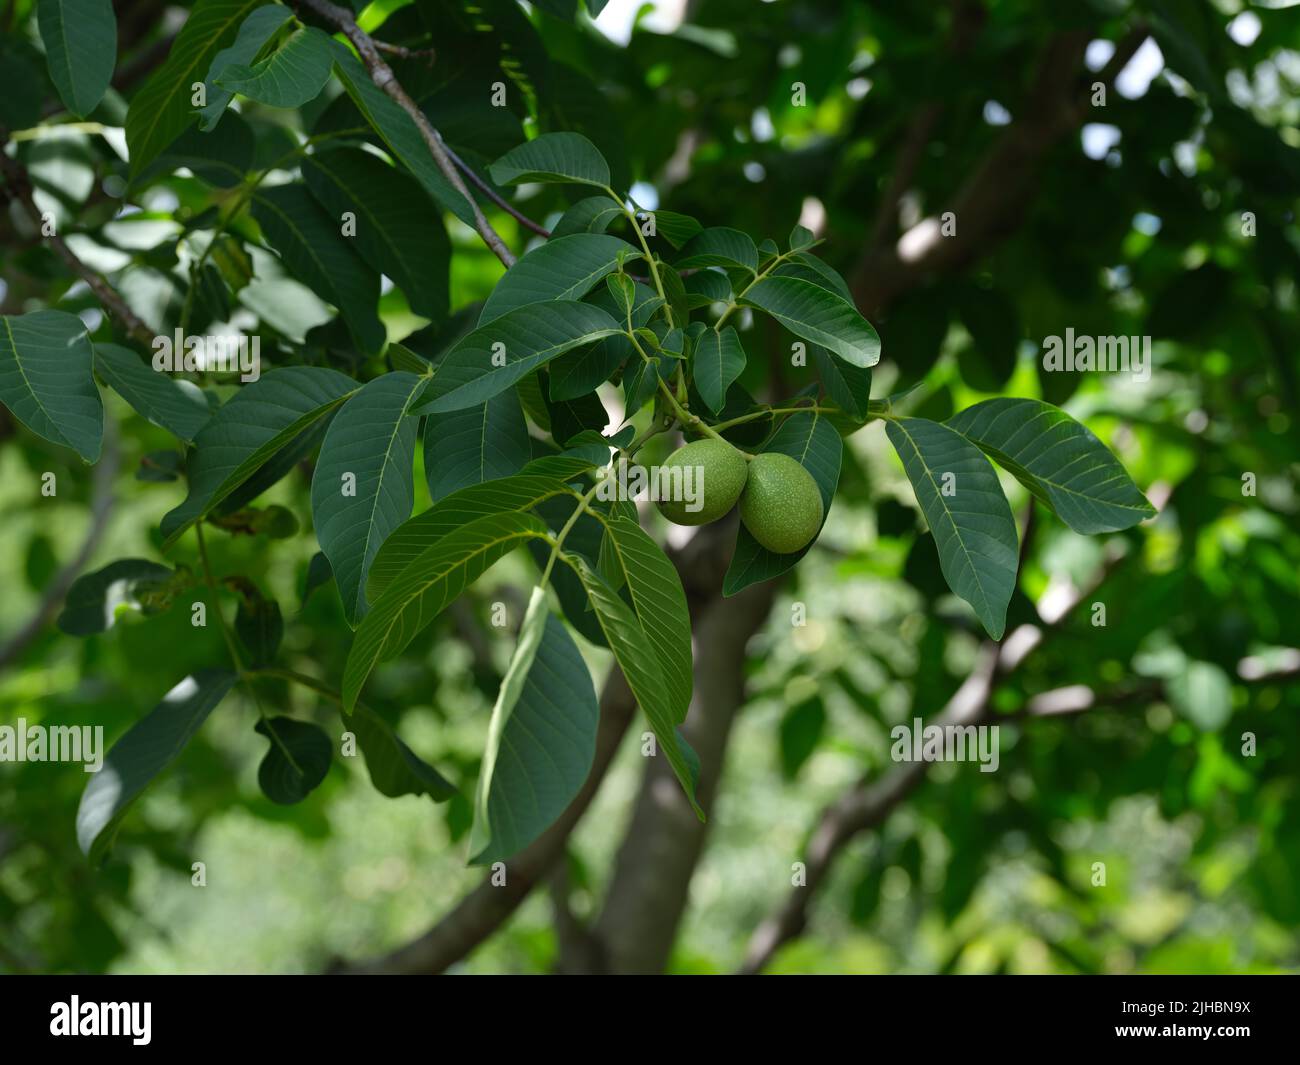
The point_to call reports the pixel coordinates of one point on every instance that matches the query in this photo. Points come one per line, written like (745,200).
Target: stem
(645,247)
(319,687)
(735,303)
(491,193)
(216,602)
(558,542)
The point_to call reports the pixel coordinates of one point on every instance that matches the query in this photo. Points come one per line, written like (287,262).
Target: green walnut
(782,505)
(700,482)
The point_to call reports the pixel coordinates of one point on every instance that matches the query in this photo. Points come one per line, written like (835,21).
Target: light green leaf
(149,747)
(719,360)
(419,593)
(409,540)
(563,269)
(640,666)
(261,419)
(80,38)
(1057,459)
(552,157)
(401,134)
(315,251)
(474,445)
(297,761)
(398,231)
(622,290)
(1202,693)
(541,739)
(811,441)
(253,34)
(169,402)
(47,382)
(292,75)
(719,246)
(658,601)
(963,503)
(495,356)
(161,109)
(362,488)
(817,315)
(95,599)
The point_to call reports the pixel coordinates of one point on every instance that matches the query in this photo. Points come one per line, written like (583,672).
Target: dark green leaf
(297,761)
(474,445)
(80,38)
(172,403)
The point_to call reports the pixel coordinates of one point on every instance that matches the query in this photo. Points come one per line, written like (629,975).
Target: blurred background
(1114,168)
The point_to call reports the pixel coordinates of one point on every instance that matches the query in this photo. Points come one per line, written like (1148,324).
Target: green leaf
(800,238)
(1202,693)
(658,601)
(476,444)
(222,157)
(95,600)
(1058,460)
(394,768)
(808,267)
(719,360)
(817,315)
(258,624)
(623,291)
(495,356)
(172,403)
(292,75)
(401,134)
(297,761)
(963,503)
(706,287)
(362,488)
(553,157)
(590,215)
(315,251)
(719,246)
(420,592)
(398,232)
(47,382)
(149,747)
(640,666)
(162,108)
(541,739)
(253,34)
(563,269)
(412,538)
(813,442)
(261,419)
(675,228)
(80,38)
(318,574)
(849,386)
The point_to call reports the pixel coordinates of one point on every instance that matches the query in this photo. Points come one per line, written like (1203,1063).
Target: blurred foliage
(975,872)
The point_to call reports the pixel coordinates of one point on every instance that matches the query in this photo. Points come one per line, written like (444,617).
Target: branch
(487,907)
(868,804)
(492,195)
(100,507)
(384,78)
(19,185)
(991,200)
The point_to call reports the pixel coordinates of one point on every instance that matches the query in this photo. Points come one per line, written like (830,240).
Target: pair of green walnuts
(779,500)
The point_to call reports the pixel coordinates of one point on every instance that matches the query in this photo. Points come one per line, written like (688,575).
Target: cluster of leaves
(502,395)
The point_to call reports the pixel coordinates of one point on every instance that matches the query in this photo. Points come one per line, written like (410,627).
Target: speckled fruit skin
(781,504)
(725,470)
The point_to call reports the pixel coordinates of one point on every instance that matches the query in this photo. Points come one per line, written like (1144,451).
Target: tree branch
(869,803)
(101,505)
(384,78)
(18,184)
(990,201)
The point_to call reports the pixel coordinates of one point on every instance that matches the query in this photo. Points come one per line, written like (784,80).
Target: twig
(384,78)
(492,194)
(100,507)
(18,182)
